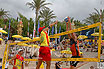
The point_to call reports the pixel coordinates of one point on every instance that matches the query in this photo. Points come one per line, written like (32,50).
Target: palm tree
(37,5)
(25,24)
(100,16)
(46,15)
(3,13)
(95,17)
(100,13)
(78,24)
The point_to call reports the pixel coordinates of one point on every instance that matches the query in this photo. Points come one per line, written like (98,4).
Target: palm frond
(47,15)
(97,11)
(4,13)
(31,5)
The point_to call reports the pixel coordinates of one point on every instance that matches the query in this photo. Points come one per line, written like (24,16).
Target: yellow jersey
(44,39)
(18,61)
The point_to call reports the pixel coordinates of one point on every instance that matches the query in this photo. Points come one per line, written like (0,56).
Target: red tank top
(18,61)
(75,48)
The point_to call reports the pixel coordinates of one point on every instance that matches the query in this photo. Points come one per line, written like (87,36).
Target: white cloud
(79,9)
(15,6)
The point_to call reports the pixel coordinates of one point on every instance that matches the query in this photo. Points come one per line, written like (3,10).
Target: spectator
(18,60)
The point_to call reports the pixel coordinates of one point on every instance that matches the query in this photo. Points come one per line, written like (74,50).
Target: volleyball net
(61,52)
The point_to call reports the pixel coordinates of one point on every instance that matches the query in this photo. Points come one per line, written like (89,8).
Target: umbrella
(26,38)
(3,31)
(82,37)
(96,34)
(68,52)
(17,36)
(53,50)
(1,39)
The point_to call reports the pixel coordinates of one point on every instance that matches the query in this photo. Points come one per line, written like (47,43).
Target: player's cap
(40,29)
(20,50)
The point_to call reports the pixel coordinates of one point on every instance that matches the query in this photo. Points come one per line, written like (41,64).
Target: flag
(38,28)
(59,32)
(9,29)
(52,30)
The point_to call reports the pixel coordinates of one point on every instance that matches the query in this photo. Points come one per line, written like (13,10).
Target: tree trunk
(0,17)
(35,23)
(36,20)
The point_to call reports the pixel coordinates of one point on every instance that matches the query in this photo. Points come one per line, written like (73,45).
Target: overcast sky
(79,9)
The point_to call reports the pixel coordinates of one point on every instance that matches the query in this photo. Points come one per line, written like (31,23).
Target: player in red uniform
(74,43)
(18,60)
(75,52)
(44,51)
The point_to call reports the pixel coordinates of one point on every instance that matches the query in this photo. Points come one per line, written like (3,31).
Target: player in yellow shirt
(44,51)
(18,60)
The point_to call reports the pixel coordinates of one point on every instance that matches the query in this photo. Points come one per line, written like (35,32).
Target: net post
(8,52)
(99,44)
(4,57)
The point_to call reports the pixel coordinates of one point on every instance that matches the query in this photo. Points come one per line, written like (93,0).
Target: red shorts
(44,53)
(14,67)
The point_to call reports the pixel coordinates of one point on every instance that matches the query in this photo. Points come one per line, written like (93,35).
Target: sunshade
(68,52)
(96,34)
(3,31)
(1,39)
(26,38)
(82,37)
(17,36)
